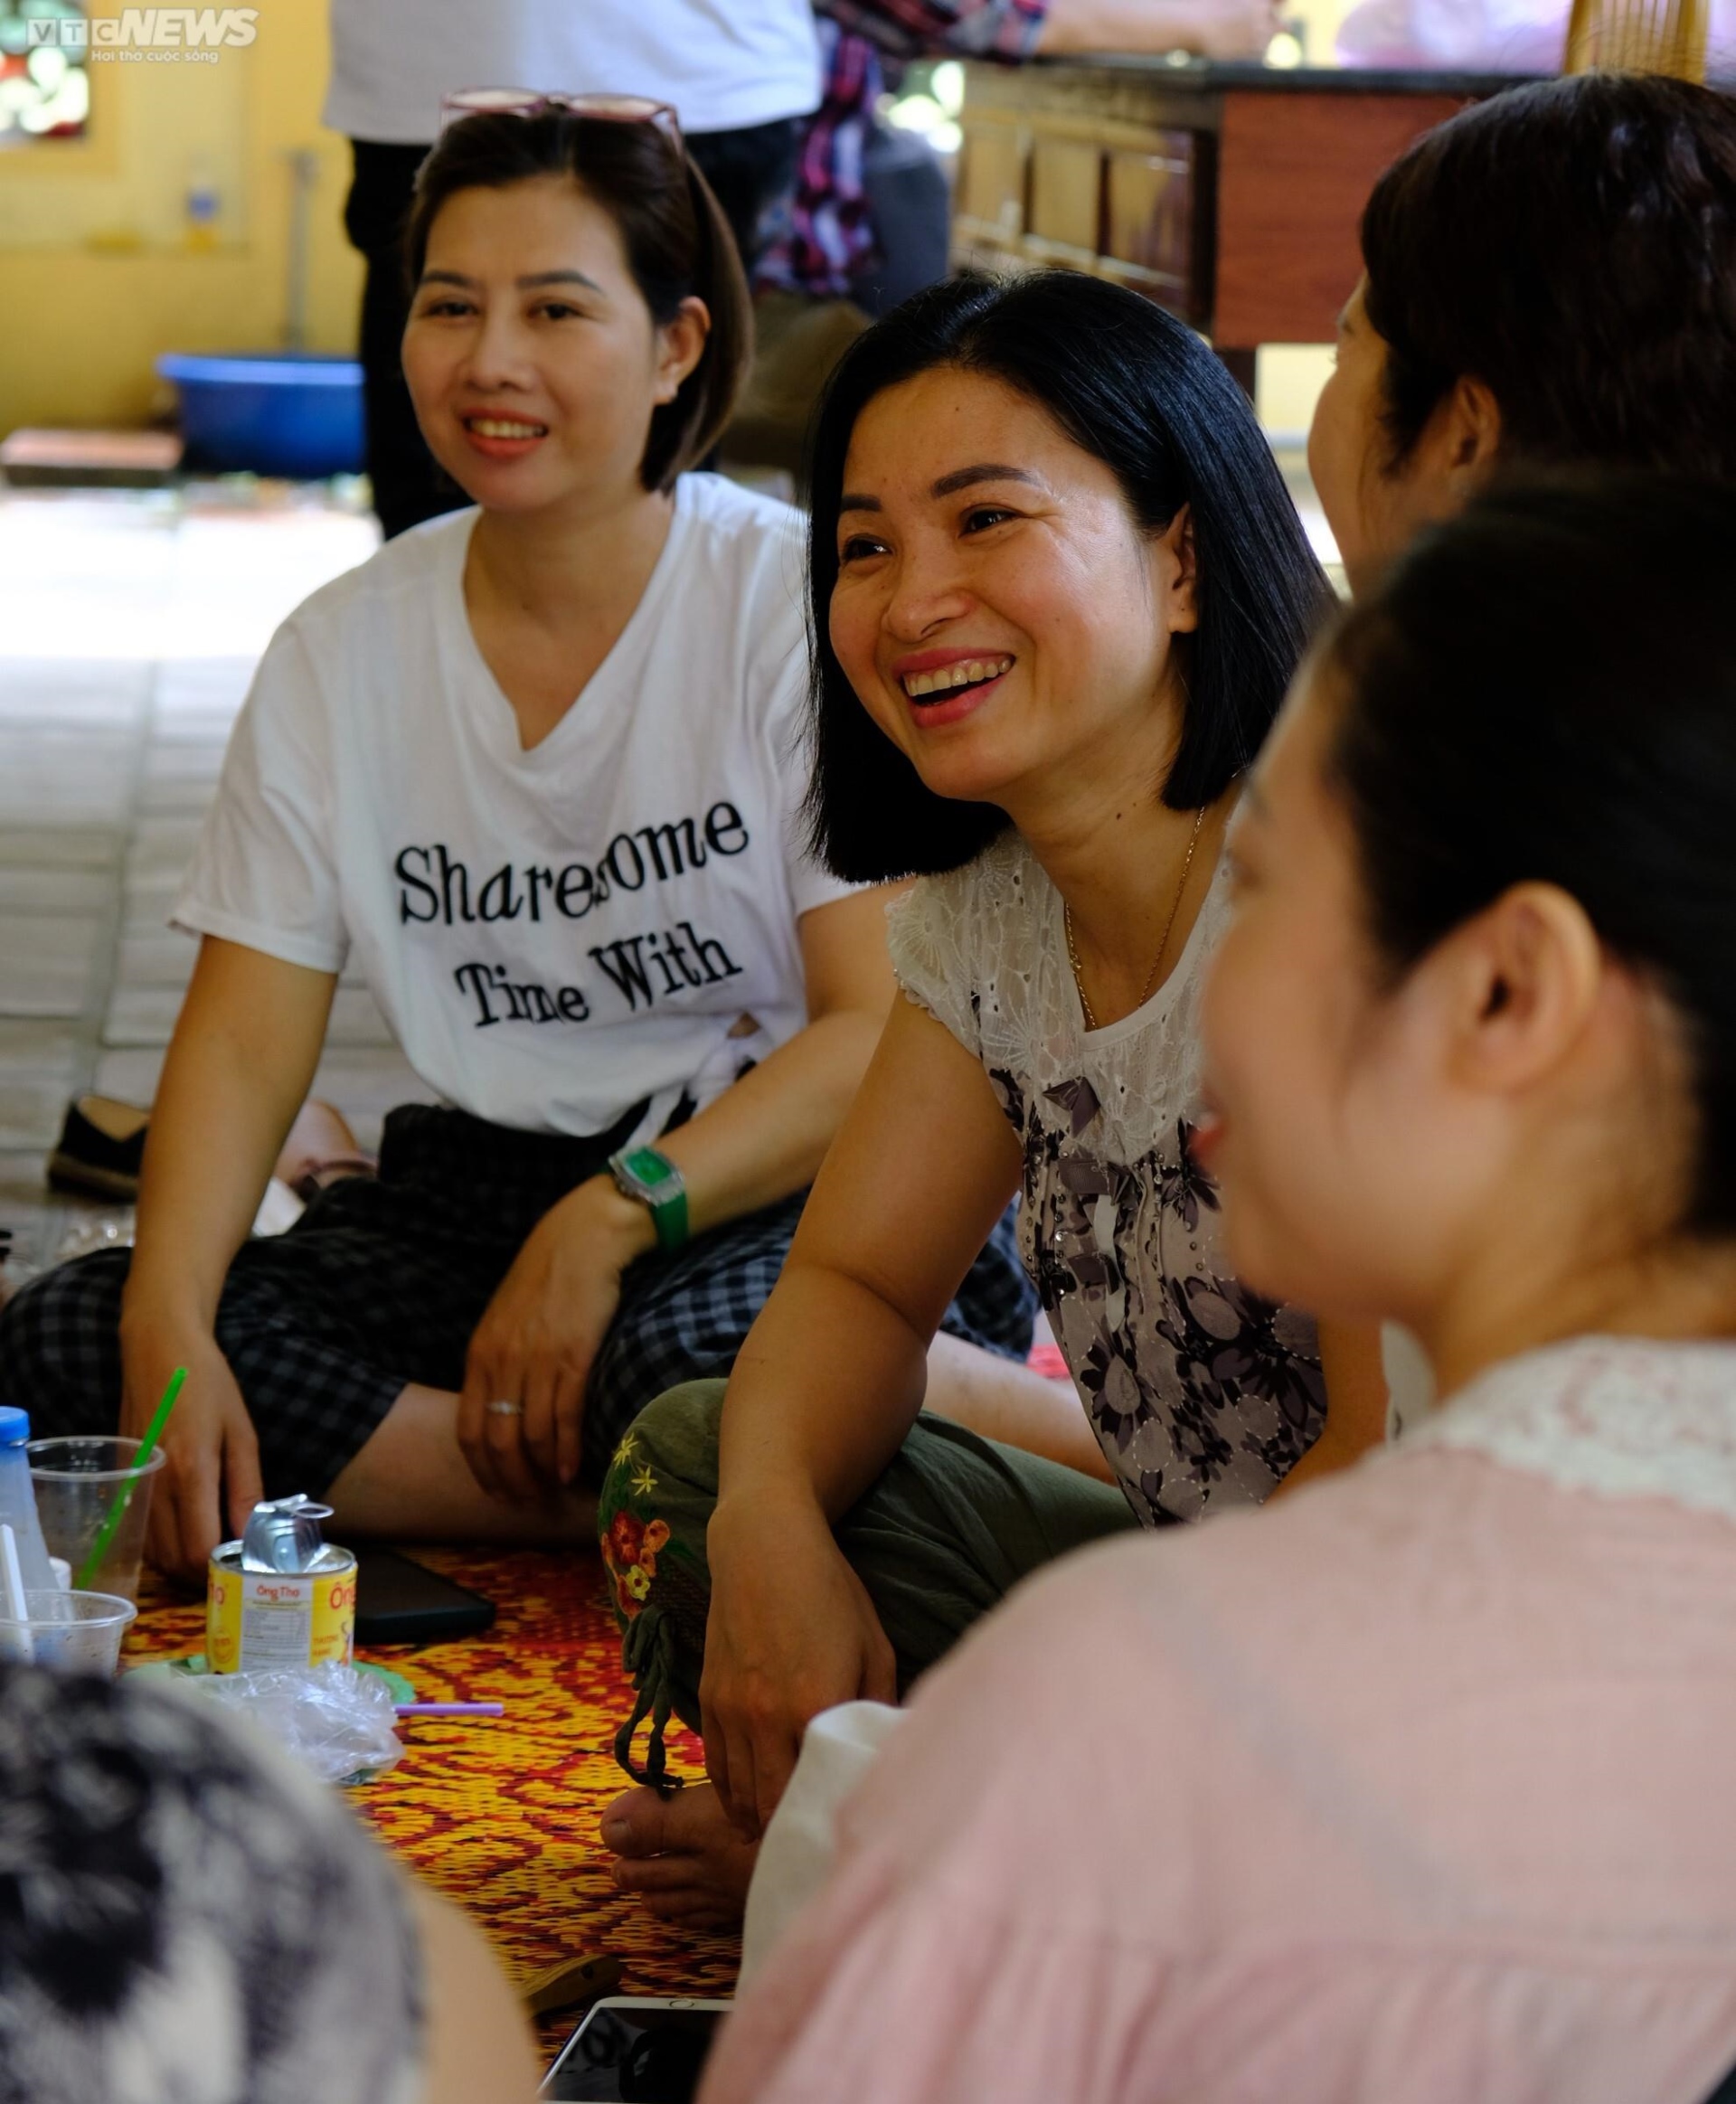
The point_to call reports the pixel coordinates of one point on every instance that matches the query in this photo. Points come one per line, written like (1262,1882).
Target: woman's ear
(1177,561)
(680,345)
(1462,442)
(1525,977)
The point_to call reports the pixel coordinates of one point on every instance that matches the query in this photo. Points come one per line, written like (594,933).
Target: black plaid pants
(382,1281)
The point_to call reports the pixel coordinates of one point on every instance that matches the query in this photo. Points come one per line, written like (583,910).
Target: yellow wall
(95,274)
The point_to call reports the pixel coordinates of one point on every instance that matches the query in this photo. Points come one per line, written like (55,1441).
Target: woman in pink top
(1416,1787)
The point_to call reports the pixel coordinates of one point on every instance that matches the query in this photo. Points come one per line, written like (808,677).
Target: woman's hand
(211,1480)
(791,1632)
(538,1336)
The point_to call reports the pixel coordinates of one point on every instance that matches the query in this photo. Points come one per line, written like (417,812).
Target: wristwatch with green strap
(652,1178)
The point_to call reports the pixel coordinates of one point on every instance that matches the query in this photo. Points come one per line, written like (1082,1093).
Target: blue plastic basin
(282,412)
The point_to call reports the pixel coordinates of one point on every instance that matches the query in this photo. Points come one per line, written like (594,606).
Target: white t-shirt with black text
(559,934)
(723,64)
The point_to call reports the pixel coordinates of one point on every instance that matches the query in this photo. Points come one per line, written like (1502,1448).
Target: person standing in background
(741,74)
(869,220)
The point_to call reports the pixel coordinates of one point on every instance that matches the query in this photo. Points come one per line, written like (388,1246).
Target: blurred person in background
(1515,36)
(863,227)
(869,222)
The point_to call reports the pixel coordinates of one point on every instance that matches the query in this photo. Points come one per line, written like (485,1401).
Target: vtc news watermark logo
(163,34)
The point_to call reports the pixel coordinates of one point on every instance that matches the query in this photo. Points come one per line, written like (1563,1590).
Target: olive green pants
(940,1538)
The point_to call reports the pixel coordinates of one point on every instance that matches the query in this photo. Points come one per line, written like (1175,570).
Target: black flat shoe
(101,1146)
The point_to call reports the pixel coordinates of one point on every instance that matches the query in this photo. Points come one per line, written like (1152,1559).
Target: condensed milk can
(282,1595)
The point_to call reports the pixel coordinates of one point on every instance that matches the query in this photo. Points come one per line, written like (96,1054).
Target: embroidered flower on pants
(630,1546)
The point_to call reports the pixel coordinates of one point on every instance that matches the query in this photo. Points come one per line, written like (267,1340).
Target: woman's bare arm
(831,1376)
(767,1136)
(826,1390)
(1218,29)
(239,1064)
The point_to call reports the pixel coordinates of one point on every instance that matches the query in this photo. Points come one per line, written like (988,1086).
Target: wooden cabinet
(1294,174)
(1150,214)
(1054,170)
(1230,194)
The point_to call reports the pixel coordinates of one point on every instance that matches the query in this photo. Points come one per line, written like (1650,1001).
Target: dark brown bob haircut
(1572,245)
(678,240)
(1138,390)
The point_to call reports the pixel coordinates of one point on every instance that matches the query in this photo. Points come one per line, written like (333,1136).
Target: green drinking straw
(146,1446)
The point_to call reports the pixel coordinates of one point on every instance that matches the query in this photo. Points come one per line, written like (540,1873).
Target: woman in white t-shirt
(530,772)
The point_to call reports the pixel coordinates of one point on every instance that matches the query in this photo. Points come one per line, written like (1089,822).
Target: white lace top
(1201,1394)
(1625,1417)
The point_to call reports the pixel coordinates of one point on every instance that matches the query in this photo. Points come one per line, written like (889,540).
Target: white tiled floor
(129,627)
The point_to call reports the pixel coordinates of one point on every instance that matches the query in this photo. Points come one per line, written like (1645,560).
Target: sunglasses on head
(525,102)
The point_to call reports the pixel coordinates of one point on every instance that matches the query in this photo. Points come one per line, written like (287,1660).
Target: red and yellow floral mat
(501,1813)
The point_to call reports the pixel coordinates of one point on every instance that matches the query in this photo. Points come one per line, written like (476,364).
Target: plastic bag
(97,1231)
(333,1719)
(279,1209)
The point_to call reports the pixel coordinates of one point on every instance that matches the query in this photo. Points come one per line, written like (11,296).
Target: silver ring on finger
(505,1409)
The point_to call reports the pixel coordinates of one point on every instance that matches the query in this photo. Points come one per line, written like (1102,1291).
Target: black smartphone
(633,2049)
(400,1601)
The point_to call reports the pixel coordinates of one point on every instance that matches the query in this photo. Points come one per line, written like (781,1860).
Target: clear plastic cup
(74,1632)
(78,1484)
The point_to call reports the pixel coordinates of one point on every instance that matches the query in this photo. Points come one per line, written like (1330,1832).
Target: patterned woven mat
(501,1813)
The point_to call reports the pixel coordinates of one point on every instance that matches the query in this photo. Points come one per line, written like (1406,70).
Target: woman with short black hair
(1549,277)
(1114,376)
(1058,588)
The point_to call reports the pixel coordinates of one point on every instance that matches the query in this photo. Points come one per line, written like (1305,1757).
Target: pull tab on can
(283,1534)
(282,1595)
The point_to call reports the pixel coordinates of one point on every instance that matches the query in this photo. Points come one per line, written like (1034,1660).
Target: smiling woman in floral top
(1060,589)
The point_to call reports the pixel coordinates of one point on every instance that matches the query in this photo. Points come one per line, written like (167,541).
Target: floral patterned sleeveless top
(1202,1395)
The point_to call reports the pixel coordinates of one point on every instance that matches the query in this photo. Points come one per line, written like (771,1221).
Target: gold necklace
(1169,929)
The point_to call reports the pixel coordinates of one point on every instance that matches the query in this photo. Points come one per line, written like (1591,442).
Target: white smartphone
(636,2050)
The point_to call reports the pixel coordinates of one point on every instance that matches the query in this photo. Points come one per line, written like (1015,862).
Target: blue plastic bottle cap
(14,1425)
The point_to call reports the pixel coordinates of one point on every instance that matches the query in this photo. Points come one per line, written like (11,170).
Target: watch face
(652,1178)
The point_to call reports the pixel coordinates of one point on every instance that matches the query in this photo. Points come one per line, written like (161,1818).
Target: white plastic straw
(12,1584)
